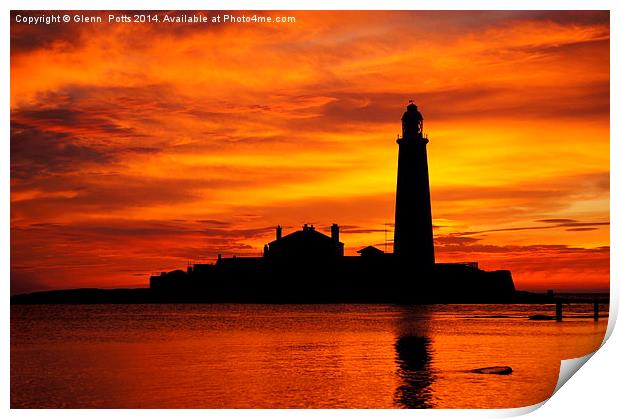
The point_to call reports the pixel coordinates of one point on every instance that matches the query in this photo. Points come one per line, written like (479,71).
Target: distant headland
(307,266)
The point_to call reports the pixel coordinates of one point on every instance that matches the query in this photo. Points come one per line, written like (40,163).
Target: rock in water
(541,317)
(493,370)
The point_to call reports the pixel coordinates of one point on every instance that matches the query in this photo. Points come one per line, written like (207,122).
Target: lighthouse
(413,227)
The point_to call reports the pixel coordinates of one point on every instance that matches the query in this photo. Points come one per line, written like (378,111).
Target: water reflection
(413,359)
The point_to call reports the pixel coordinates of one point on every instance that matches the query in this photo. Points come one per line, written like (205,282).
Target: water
(290,356)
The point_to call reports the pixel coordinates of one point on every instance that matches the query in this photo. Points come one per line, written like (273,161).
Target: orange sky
(137,147)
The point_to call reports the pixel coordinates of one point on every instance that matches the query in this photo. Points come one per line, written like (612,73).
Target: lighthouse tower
(413,228)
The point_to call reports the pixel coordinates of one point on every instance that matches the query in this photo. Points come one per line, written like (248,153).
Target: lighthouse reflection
(413,356)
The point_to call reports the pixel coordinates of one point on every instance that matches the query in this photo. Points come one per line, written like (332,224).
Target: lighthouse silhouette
(413,227)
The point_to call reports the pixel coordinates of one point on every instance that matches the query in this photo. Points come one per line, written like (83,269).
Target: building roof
(238,261)
(305,243)
(308,234)
(370,251)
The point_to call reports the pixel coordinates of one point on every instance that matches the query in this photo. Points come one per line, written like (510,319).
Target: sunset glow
(139,148)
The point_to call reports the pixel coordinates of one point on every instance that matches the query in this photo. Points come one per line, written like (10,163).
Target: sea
(292,356)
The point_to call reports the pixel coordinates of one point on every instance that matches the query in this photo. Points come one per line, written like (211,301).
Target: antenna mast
(385,237)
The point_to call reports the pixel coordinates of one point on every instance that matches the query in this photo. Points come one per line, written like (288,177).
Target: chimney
(335,233)
(278,232)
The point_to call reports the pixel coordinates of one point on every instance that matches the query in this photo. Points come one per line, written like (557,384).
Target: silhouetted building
(306,243)
(309,266)
(371,252)
(413,227)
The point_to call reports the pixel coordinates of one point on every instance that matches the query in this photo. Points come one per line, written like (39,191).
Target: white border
(593,382)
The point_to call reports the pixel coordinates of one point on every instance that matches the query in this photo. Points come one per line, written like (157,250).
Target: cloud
(557,220)
(360,230)
(25,38)
(39,153)
(469,245)
(555,223)
(455,239)
(23,281)
(136,148)
(604,223)
(216,223)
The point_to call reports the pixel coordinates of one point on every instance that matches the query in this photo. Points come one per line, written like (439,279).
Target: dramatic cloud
(140,148)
